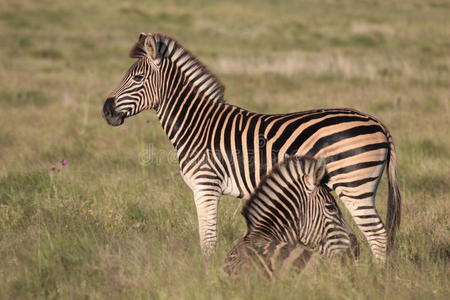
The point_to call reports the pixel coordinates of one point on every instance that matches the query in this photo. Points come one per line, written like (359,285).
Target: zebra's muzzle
(111,116)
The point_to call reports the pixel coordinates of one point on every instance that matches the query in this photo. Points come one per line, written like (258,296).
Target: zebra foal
(225,149)
(291,217)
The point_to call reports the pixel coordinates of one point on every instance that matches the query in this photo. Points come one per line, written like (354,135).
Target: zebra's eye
(138,77)
(330,207)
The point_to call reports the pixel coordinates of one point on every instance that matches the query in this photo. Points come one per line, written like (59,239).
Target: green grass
(118,222)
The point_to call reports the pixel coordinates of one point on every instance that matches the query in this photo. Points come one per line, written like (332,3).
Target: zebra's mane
(254,204)
(195,71)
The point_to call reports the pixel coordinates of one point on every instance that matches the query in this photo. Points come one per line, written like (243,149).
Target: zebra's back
(245,146)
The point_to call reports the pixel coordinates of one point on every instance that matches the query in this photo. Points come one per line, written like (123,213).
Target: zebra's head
(163,66)
(139,88)
(334,235)
(322,225)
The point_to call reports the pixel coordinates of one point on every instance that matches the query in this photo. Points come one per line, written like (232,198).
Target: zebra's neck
(183,110)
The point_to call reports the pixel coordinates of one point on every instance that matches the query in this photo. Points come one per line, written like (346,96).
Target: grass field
(118,221)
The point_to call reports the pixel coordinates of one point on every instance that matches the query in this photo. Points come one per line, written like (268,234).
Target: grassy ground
(118,222)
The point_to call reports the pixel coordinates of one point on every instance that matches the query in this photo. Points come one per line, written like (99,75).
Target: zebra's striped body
(291,217)
(224,149)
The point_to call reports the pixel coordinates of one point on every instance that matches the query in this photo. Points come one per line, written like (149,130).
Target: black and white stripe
(224,149)
(291,217)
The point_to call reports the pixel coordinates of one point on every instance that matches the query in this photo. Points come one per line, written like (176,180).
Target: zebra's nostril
(108,107)
(111,116)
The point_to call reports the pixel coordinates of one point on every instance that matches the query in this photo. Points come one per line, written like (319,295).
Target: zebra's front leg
(206,202)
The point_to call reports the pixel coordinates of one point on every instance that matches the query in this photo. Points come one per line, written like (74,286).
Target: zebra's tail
(394,204)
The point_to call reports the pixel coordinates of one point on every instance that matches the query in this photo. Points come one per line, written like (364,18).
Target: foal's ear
(317,171)
(149,45)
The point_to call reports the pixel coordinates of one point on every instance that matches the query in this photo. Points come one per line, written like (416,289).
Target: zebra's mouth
(114,120)
(111,116)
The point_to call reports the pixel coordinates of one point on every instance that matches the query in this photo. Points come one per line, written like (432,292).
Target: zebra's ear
(146,46)
(317,171)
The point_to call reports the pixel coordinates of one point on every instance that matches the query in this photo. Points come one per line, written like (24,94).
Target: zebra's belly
(237,188)
(230,188)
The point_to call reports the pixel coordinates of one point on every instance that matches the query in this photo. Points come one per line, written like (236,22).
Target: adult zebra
(291,217)
(224,149)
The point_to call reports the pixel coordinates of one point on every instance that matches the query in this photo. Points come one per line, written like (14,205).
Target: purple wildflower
(54,168)
(64,162)
(178,172)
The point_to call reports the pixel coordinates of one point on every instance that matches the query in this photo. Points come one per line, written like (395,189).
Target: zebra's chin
(115,120)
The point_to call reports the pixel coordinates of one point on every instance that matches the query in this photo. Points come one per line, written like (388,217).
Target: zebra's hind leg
(364,213)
